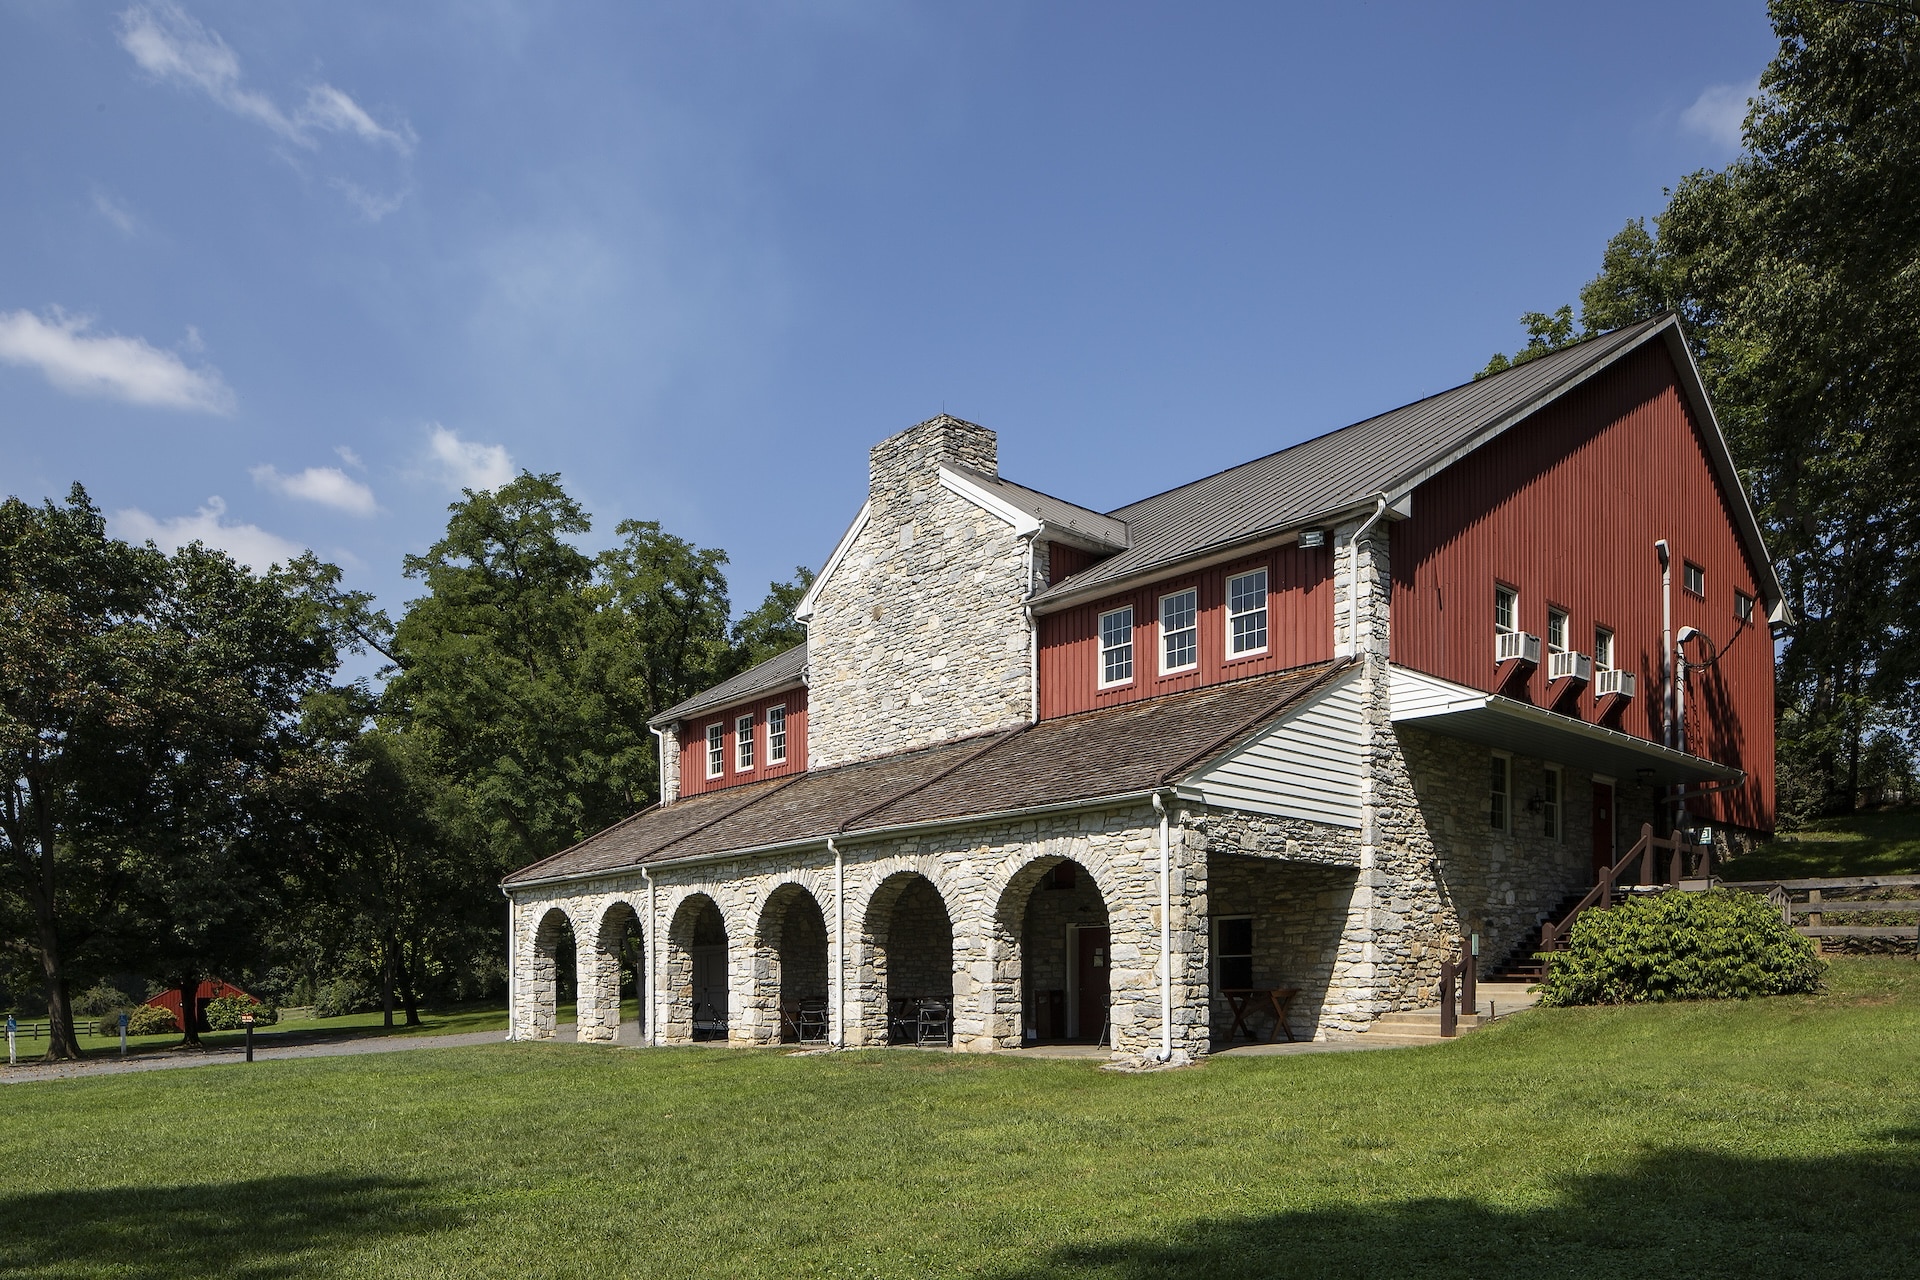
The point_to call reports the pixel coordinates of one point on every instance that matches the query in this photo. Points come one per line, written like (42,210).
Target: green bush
(339,998)
(102,1000)
(225,1013)
(151,1020)
(1681,946)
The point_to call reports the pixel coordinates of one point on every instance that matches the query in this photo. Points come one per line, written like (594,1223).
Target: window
(1233,952)
(743,743)
(1743,607)
(1500,808)
(1602,649)
(1179,634)
(1556,631)
(1247,613)
(716,750)
(1550,804)
(1116,647)
(776,735)
(1506,610)
(1696,579)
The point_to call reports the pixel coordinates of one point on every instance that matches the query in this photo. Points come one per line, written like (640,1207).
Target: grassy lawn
(1864,844)
(1770,1138)
(433,1022)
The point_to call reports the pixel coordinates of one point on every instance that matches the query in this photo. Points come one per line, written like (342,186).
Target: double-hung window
(1179,632)
(1556,631)
(1506,610)
(716,750)
(1247,613)
(1550,803)
(1233,952)
(776,735)
(743,743)
(1116,647)
(1500,804)
(1602,649)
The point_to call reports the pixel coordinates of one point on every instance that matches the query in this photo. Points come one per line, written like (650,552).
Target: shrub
(102,1000)
(338,998)
(225,1014)
(152,1020)
(1681,946)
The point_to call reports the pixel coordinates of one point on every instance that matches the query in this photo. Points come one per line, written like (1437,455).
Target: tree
(772,629)
(1545,334)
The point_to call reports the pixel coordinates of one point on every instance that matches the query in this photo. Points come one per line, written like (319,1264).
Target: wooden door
(1602,827)
(1092,965)
(710,988)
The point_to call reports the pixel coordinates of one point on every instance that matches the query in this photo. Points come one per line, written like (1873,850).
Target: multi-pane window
(1179,631)
(1247,613)
(1233,952)
(716,750)
(1743,607)
(776,735)
(1506,609)
(1500,805)
(1602,649)
(1696,579)
(1550,804)
(1116,646)
(1556,630)
(743,743)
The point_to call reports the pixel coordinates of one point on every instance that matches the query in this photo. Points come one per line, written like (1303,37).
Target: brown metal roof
(777,672)
(1115,751)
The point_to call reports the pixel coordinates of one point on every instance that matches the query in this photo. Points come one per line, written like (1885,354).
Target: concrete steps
(1422,1026)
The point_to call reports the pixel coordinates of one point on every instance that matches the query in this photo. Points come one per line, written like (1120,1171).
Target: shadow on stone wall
(1675,1213)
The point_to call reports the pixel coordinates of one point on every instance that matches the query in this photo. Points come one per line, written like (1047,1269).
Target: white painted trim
(742,746)
(706,748)
(803,611)
(1024,523)
(1100,648)
(1160,632)
(1230,654)
(781,707)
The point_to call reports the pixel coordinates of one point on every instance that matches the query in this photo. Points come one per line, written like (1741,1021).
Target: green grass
(1766,1138)
(1864,844)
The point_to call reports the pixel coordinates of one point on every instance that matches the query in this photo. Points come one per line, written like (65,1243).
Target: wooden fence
(1812,901)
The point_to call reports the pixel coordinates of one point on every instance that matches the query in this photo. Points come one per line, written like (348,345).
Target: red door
(1602,827)
(1093,982)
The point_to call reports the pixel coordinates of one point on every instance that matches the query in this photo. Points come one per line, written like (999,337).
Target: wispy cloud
(328,486)
(1719,112)
(466,464)
(116,213)
(251,545)
(129,369)
(348,456)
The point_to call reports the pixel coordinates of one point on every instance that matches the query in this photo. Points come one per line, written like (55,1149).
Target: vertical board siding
(1299,631)
(693,745)
(1306,766)
(1565,508)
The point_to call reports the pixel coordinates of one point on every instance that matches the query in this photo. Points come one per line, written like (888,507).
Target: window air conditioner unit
(1615,684)
(1516,646)
(1568,665)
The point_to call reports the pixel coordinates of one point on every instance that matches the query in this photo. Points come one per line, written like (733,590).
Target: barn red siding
(1299,631)
(693,747)
(1064,561)
(1589,483)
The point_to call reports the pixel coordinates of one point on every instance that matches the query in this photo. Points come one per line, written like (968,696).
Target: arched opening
(1057,917)
(907,981)
(696,972)
(614,973)
(553,977)
(790,962)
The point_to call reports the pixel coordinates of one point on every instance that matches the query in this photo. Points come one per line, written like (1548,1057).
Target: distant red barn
(210,989)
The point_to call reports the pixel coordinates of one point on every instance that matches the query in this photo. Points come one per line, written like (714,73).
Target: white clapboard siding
(1305,765)
(1415,694)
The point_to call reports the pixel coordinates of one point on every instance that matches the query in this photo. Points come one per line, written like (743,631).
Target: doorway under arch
(790,968)
(907,980)
(695,972)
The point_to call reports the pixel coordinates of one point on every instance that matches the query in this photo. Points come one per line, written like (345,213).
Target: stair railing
(1653,873)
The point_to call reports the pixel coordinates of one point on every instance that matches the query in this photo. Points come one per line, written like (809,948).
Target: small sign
(123,1022)
(246,1019)
(11,1025)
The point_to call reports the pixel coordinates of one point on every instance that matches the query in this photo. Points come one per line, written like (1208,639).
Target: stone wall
(667,743)
(1053,909)
(918,634)
(1298,911)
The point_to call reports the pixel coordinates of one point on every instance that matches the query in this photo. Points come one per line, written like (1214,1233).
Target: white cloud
(115,212)
(349,457)
(328,486)
(108,365)
(328,108)
(1719,112)
(468,465)
(248,543)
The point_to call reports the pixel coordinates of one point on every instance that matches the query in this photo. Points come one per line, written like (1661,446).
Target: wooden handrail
(1554,936)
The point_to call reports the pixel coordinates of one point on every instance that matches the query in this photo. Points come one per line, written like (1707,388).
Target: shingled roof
(777,672)
(1115,751)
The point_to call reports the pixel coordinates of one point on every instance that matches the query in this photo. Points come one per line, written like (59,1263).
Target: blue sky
(284,275)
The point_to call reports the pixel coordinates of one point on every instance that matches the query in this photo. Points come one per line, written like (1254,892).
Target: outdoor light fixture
(1313,537)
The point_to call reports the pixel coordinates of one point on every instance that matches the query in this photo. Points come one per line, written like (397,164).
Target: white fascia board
(804,610)
(1024,522)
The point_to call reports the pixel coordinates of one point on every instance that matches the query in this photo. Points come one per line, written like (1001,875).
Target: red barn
(211,989)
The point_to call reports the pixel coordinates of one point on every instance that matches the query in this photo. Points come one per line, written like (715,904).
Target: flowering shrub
(1681,946)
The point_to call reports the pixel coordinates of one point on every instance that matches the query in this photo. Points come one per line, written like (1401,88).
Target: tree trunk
(62,1042)
(409,990)
(386,984)
(189,986)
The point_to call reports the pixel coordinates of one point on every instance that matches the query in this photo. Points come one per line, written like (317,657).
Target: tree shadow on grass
(1676,1213)
(260,1227)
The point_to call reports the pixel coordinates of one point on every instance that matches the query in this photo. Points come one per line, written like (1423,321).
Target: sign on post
(12,1029)
(123,1035)
(246,1020)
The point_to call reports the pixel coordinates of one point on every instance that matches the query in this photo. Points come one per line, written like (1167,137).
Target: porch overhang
(1439,706)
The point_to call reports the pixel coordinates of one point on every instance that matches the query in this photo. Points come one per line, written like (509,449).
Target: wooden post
(1813,900)
(1469,974)
(1449,1024)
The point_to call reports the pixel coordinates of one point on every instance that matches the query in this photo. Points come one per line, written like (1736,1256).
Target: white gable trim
(804,610)
(1023,522)
(1307,764)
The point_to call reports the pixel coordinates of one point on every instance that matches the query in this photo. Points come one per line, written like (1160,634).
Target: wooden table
(1246,1000)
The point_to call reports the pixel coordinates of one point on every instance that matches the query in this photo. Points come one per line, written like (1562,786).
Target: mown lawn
(1770,1138)
(1886,843)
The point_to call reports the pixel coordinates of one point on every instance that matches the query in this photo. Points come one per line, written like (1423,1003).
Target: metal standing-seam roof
(1102,532)
(777,672)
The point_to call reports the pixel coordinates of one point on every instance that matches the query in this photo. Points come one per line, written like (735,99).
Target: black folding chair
(935,1024)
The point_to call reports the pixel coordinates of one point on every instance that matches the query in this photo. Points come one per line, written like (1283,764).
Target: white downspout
(1166,934)
(1353,573)
(1666,642)
(513,972)
(1033,631)
(840,945)
(653,1014)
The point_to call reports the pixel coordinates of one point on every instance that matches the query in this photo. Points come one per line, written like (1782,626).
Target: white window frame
(1104,648)
(1266,619)
(1192,630)
(1553,804)
(1565,619)
(1689,571)
(777,734)
(1502,774)
(717,750)
(743,743)
(1742,608)
(1219,954)
(1512,595)
(1602,649)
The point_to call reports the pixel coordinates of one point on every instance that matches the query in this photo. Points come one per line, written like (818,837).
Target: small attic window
(1743,607)
(1696,580)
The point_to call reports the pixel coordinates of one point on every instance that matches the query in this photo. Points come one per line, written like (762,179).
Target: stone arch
(1053,950)
(618,942)
(789,962)
(551,972)
(693,977)
(906,953)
